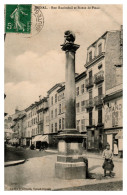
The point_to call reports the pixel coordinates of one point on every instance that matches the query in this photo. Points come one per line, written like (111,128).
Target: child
(108,163)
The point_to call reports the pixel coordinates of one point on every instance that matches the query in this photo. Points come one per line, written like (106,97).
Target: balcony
(89,82)
(98,100)
(45,105)
(40,122)
(89,103)
(99,77)
(95,59)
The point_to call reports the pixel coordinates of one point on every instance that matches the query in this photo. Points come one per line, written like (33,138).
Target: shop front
(40,141)
(95,138)
(28,141)
(115,139)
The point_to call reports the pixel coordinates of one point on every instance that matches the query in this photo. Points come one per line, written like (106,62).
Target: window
(99,90)
(59,108)
(82,88)
(78,125)
(56,112)
(51,128)
(99,66)
(59,124)
(47,119)
(77,91)
(99,48)
(90,94)
(55,127)
(28,134)
(32,132)
(51,114)
(63,107)
(62,123)
(83,124)
(59,98)
(55,98)
(90,56)
(52,100)
(100,115)
(90,117)
(77,107)
(90,76)
(83,105)
(39,131)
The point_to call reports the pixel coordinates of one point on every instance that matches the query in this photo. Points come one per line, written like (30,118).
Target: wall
(113,113)
(112,58)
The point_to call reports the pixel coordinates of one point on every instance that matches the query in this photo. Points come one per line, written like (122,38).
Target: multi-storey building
(7,128)
(102,56)
(43,119)
(46,117)
(113,126)
(31,123)
(17,126)
(54,111)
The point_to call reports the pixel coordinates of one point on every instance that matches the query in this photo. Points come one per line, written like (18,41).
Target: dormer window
(90,56)
(100,66)
(99,48)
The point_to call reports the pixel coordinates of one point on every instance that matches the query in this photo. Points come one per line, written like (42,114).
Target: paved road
(39,174)
(112,186)
(14,154)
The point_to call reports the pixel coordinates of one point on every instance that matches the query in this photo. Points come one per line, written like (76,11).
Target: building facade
(113,100)
(103,56)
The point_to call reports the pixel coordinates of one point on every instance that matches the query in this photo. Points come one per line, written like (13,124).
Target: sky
(33,65)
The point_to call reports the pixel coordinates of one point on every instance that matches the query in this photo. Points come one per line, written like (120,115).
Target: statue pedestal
(70,163)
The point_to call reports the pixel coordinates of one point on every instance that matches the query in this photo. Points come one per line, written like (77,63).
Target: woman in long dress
(115,149)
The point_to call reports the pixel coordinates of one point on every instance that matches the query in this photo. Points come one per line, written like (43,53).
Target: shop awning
(42,138)
(36,138)
(8,131)
(119,135)
(14,140)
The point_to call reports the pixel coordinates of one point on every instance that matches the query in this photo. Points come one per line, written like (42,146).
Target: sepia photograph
(63,97)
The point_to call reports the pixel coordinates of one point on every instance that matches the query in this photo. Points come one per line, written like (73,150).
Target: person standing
(108,162)
(115,148)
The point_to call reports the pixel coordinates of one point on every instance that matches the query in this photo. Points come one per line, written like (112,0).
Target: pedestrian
(115,148)
(108,162)
(40,148)
(100,147)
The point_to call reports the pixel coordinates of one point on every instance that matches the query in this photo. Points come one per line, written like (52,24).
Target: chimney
(40,97)
(16,110)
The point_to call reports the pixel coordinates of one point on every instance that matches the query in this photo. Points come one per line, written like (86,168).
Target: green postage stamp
(18,18)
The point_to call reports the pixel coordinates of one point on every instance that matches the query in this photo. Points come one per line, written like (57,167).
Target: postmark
(26,20)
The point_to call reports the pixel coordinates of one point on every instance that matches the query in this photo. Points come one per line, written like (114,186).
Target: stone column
(70,89)
(70,163)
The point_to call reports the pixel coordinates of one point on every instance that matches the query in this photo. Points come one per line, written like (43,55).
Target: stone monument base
(70,164)
(70,170)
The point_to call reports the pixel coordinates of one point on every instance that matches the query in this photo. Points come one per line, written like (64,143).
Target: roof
(80,76)
(55,87)
(101,37)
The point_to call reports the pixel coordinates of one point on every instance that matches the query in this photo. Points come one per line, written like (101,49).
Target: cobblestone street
(38,172)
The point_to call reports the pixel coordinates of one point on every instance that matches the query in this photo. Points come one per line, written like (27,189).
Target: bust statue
(69,37)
